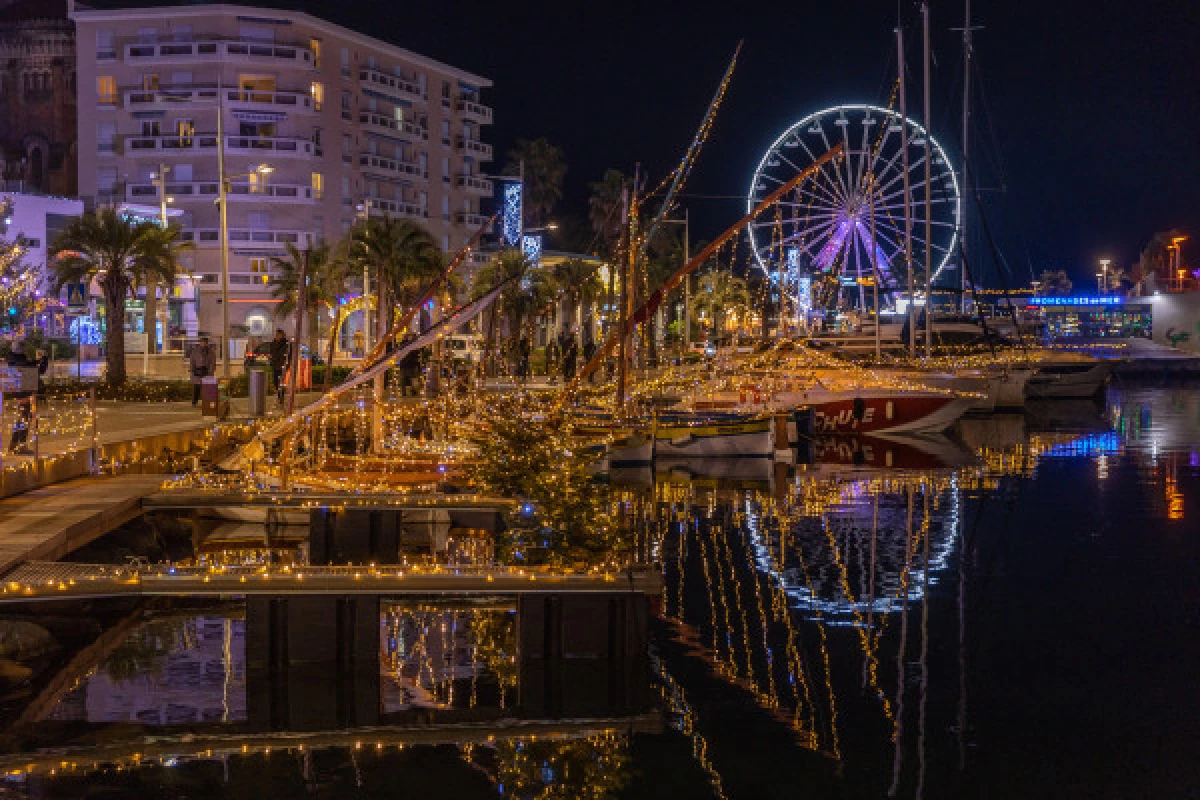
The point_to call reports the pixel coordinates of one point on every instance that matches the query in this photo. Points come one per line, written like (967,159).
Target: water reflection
(901,618)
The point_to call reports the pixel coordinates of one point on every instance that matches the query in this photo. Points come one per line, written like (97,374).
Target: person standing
(360,344)
(278,357)
(31,372)
(570,354)
(202,363)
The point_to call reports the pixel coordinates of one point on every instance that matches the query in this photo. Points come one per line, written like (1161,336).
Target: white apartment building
(318,125)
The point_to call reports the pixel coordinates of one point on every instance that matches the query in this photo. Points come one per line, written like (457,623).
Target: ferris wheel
(854,206)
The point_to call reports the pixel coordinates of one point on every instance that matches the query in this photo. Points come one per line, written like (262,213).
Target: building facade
(37,97)
(317,126)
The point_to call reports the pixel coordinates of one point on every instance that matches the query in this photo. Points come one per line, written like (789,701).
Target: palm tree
(328,270)
(580,285)
(721,293)
(513,267)
(404,257)
(1054,282)
(120,254)
(543,168)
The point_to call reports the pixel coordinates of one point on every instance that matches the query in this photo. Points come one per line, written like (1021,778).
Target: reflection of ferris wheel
(854,206)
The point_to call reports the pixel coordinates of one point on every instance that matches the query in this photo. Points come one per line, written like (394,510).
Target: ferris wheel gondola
(847,221)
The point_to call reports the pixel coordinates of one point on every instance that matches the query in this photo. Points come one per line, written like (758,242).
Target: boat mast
(928,190)
(966,164)
(912,327)
(623,310)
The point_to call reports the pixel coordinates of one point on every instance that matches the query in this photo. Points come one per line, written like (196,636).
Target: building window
(106,137)
(150,127)
(445,208)
(259,264)
(106,181)
(445,90)
(446,132)
(314,44)
(106,45)
(318,185)
(259,220)
(347,106)
(150,82)
(106,90)
(318,94)
(345,189)
(318,149)
(185,129)
(347,148)
(345,62)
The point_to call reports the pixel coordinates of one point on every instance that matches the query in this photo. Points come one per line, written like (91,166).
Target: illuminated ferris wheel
(854,206)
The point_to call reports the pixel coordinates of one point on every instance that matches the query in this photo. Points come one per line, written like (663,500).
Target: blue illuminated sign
(1107,300)
(512,214)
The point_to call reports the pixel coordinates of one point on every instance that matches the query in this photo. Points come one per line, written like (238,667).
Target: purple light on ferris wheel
(829,252)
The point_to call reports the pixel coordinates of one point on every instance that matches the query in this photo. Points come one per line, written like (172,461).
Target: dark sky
(1093,132)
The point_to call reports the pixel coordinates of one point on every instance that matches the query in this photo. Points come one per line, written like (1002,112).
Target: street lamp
(226,181)
(1102,275)
(1177,272)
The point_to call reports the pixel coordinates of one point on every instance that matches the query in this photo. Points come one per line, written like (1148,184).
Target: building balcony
(169,96)
(390,84)
(473,110)
(475,185)
(247,238)
(207,191)
(260,146)
(380,123)
(247,51)
(469,218)
(480,150)
(378,207)
(257,100)
(391,167)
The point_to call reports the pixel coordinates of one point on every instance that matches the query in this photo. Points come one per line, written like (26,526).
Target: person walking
(31,371)
(360,344)
(278,357)
(202,363)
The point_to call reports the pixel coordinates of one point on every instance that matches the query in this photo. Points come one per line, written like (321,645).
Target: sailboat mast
(966,164)
(623,308)
(908,263)
(928,189)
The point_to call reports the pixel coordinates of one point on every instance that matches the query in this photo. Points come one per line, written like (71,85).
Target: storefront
(1104,317)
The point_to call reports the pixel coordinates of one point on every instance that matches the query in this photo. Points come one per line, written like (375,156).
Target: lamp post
(1102,275)
(225,182)
(150,306)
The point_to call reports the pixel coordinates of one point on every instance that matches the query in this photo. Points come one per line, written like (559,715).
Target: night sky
(1091,145)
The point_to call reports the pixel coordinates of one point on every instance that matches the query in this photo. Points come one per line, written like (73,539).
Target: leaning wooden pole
(652,303)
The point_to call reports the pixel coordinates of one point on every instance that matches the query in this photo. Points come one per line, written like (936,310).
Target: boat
(990,389)
(900,451)
(1063,377)
(700,435)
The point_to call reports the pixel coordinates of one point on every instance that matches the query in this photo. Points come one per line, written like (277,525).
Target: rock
(22,641)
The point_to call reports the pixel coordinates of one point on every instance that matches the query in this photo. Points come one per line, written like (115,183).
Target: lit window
(315,46)
(106,89)
(318,185)
(318,94)
(258,264)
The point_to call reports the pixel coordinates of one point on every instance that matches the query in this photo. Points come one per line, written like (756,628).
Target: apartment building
(317,125)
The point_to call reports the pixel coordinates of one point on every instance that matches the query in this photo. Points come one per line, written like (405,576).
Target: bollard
(256,384)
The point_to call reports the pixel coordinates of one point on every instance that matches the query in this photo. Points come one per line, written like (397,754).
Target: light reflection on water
(907,630)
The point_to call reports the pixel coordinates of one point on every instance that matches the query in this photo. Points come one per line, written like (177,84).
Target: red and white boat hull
(892,413)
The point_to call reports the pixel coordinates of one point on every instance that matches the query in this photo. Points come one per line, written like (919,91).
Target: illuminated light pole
(225,182)
(150,307)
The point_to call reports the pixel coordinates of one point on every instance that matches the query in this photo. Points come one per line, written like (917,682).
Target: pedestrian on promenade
(31,371)
(570,354)
(360,344)
(202,363)
(278,357)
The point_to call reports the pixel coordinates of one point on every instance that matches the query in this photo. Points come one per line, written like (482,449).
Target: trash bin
(256,382)
(210,397)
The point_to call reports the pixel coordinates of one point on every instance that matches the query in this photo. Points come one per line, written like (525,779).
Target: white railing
(182,192)
(245,237)
(390,165)
(471,108)
(474,184)
(471,220)
(217,50)
(284,146)
(406,130)
(376,77)
(395,208)
(478,148)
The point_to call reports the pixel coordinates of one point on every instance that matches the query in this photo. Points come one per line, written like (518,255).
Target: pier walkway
(45,580)
(48,523)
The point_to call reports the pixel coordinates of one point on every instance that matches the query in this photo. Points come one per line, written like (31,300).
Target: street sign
(76,298)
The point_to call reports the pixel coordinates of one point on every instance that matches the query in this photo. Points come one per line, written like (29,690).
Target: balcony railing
(270,100)
(385,124)
(474,184)
(171,96)
(395,208)
(383,81)
(218,50)
(481,150)
(246,237)
(207,190)
(391,165)
(474,110)
(470,219)
(277,146)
